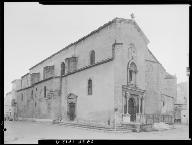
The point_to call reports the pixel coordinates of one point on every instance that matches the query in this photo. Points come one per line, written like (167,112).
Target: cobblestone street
(31,132)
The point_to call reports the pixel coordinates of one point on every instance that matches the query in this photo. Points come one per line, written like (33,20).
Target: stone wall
(129,37)
(167,104)
(150,75)
(48,72)
(35,77)
(35,104)
(152,94)
(16,84)
(98,106)
(25,81)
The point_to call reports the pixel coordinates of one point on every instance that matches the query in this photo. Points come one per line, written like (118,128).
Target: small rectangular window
(89,87)
(62,68)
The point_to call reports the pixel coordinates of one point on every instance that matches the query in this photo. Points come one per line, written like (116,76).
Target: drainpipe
(60,96)
(115,106)
(115,121)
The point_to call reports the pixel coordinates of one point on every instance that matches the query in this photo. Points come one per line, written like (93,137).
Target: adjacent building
(16,85)
(182,103)
(8,111)
(108,76)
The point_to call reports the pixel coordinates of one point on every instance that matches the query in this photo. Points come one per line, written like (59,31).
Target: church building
(108,76)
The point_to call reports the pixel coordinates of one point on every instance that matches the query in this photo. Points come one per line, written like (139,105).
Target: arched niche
(131,72)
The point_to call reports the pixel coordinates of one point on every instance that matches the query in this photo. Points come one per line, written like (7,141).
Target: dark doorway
(132,109)
(71,111)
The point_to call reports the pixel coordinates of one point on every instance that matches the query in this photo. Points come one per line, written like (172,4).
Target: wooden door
(72,111)
(132,109)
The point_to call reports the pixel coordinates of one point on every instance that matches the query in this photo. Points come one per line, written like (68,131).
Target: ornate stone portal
(133,104)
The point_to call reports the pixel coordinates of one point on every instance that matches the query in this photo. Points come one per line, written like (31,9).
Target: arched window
(131,73)
(92,57)
(89,87)
(62,68)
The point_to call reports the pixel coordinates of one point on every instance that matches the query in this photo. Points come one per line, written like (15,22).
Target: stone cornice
(132,88)
(151,61)
(167,95)
(90,66)
(36,83)
(78,70)
(24,75)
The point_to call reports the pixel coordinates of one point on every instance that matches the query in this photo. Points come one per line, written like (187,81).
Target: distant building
(8,111)
(109,75)
(16,85)
(182,103)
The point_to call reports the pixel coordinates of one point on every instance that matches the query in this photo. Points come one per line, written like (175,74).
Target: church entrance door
(71,111)
(132,109)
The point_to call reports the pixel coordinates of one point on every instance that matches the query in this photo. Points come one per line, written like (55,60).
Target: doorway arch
(132,109)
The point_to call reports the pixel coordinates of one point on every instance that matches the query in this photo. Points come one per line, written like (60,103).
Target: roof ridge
(73,43)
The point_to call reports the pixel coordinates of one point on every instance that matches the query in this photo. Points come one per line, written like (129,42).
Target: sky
(32,32)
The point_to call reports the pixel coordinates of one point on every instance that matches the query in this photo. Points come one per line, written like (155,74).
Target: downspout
(115,106)
(60,96)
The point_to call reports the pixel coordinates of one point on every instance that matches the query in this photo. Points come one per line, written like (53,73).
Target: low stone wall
(94,123)
(146,127)
(156,118)
(34,119)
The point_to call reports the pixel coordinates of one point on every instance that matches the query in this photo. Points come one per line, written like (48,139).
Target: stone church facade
(109,75)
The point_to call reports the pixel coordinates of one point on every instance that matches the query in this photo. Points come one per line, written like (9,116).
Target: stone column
(127,98)
(142,108)
(123,103)
(139,104)
(138,114)
(143,105)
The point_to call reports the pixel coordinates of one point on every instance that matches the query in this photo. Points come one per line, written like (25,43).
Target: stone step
(97,127)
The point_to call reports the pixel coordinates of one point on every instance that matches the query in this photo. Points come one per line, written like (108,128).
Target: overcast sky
(34,32)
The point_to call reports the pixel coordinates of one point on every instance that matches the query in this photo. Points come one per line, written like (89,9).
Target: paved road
(30,132)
